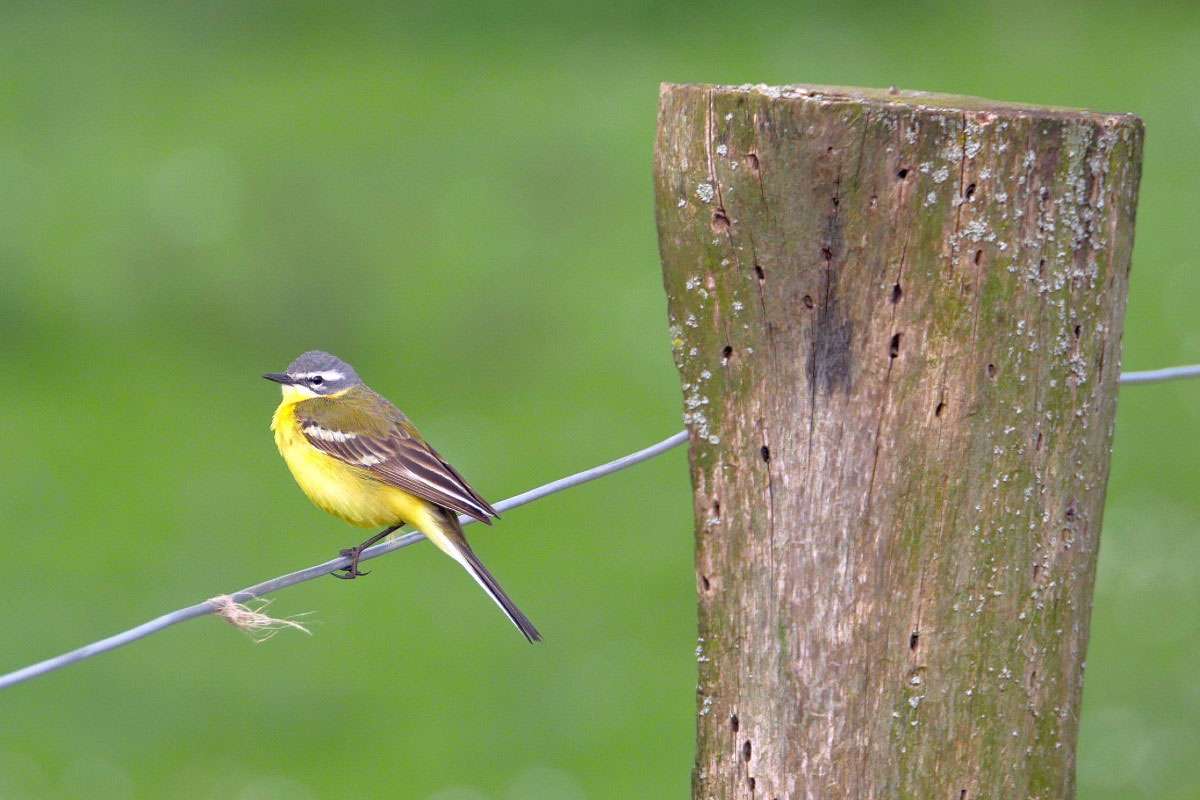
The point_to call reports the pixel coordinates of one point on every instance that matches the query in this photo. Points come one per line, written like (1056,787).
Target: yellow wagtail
(359,458)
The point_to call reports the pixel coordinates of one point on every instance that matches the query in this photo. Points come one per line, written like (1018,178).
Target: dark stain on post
(829,361)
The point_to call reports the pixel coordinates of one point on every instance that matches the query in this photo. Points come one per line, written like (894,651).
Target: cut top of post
(895,98)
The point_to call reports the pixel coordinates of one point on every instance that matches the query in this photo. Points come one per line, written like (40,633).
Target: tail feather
(443,530)
(490,585)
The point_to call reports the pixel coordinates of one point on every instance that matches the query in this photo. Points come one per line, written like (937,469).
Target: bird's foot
(350,572)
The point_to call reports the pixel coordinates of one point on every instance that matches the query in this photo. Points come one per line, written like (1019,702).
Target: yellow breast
(336,487)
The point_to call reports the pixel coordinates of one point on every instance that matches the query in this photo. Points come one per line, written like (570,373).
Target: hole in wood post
(726,353)
(1041,267)
(750,783)
(1037,443)
(894,348)
(752,162)
(808,301)
(765,452)
(1037,570)
(991,371)
(746,751)
(1078,330)
(970,191)
(978,257)
(903,173)
(962,795)
(940,408)
(759,272)
(716,508)
(733,722)
(897,293)
(913,638)
(704,582)
(826,254)
(720,222)
(874,201)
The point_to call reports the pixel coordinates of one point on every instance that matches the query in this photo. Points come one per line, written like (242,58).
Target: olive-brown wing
(400,457)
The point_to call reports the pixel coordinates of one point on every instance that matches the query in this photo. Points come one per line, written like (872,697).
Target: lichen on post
(897,319)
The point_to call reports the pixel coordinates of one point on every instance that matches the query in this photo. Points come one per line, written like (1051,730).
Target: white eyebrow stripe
(326,435)
(328,375)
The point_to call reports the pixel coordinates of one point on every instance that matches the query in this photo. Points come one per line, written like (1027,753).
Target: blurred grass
(457,199)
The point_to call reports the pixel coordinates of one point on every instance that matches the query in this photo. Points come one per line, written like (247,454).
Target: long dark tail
(490,585)
(445,532)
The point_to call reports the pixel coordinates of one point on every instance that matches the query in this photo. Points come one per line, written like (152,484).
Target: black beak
(279,377)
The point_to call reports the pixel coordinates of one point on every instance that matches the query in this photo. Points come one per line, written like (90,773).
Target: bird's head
(315,374)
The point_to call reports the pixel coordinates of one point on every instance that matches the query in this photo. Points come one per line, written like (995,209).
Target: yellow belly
(338,488)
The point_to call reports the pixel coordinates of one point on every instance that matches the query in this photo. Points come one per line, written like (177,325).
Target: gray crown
(322,372)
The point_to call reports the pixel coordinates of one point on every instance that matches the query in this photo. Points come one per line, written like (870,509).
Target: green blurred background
(458,200)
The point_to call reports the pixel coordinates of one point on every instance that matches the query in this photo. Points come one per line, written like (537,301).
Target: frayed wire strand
(250,619)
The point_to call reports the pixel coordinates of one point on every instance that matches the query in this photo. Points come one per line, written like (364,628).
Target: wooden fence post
(897,319)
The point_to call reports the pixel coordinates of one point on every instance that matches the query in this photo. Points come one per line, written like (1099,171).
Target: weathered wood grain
(897,319)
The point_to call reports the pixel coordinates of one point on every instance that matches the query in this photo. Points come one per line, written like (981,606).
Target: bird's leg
(354,553)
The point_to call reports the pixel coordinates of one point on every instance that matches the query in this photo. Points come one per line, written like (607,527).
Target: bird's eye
(316,380)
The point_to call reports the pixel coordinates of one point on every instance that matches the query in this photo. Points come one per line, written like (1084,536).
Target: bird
(358,457)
